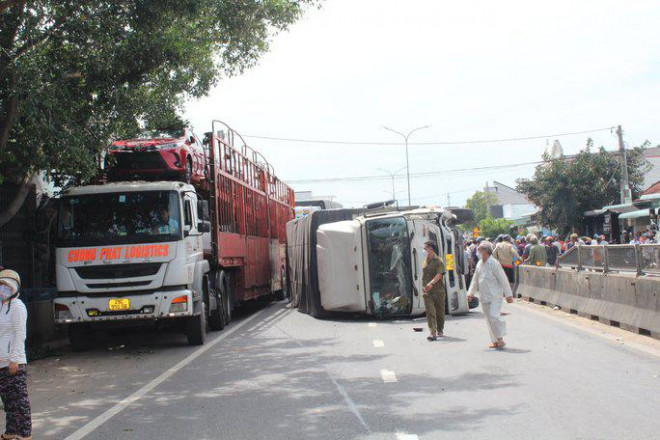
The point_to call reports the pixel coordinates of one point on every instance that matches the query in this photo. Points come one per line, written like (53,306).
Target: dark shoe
(431,338)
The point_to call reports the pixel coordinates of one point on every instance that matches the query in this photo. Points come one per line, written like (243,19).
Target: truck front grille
(117,285)
(115,271)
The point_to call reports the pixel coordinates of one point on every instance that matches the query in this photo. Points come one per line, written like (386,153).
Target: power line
(447,193)
(424,174)
(425,197)
(317,141)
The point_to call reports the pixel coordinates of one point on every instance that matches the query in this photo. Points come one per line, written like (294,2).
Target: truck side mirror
(203,210)
(204,226)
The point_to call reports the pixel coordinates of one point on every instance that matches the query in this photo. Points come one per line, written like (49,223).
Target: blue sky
(472,70)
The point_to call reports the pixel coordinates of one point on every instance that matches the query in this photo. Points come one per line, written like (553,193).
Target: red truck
(169,252)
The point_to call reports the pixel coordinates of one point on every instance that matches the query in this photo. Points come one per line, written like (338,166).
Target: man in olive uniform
(434,290)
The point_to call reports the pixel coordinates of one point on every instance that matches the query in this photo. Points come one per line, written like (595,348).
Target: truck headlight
(179,304)
(63,313)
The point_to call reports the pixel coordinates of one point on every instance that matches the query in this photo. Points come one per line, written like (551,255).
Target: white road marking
(373,325)
(404,436)
(378,343)
(123,404)
(340,389)
(388,376)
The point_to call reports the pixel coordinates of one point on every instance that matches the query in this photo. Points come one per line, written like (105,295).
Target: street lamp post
(392,175)
(405,138)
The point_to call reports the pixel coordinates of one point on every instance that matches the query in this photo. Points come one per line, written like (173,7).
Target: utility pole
(405,138)
(625,186)
(487,195)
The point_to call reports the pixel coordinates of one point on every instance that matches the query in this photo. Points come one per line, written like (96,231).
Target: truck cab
(131,252)
(373,264)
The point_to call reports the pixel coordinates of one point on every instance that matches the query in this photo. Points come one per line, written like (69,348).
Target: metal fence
(642,259)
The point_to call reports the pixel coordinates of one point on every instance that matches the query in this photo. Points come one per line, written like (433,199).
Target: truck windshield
(119,218)
(389,266)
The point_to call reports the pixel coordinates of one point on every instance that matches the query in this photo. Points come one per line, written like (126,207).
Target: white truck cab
(373,264)
(130,252)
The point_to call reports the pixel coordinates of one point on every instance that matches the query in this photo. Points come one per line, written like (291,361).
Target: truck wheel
(217,318)
(226,300)
(196,328)
(81,337)
(283,293)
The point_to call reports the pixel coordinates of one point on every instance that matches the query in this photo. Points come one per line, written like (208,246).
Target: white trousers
(495,322)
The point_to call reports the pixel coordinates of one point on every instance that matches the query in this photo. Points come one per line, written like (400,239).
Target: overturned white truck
(354,261)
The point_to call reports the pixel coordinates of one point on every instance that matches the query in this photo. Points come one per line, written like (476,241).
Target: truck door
(454,282)
(420,233)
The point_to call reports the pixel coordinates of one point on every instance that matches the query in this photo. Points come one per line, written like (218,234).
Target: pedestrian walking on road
(491,284)
(433,269)
(13,371)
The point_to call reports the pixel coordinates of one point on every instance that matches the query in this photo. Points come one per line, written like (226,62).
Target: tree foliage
(75,74)
(478,203)
(492,227)
(565,188)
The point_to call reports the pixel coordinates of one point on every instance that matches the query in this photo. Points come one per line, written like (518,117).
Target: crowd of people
(541,251)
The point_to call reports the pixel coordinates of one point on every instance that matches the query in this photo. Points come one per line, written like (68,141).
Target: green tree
(76,74)
(565,187)
(478,203)
(492,227)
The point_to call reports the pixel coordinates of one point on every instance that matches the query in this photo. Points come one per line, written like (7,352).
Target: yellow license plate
(119,304)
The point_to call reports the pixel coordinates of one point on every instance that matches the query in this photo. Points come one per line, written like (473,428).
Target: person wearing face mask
(433,270)
(491,283)
(13,372)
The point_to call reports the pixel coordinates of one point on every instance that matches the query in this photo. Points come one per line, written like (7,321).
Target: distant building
(652,155)
(509,203)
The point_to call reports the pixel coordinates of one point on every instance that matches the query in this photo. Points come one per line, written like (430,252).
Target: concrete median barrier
(624,300)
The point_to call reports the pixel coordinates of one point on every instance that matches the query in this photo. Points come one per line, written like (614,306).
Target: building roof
(653,189)
(507,195)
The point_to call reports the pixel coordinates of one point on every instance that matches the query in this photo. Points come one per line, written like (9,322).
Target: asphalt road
(278,374)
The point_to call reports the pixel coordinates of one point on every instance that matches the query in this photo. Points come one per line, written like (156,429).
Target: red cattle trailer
(249,208)
(163,251)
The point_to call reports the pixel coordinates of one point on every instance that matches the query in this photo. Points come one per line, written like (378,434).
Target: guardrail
(639,258)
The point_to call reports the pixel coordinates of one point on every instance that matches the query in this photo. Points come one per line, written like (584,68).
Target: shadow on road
(266,383)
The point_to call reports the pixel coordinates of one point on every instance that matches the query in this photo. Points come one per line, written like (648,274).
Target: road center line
(404,436)
(123,404)
(378,343)
(388,376)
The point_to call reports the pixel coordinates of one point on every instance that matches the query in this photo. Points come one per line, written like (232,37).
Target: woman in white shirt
(491,283)
(13,362)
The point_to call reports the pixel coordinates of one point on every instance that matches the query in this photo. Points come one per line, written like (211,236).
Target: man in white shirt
(491,283)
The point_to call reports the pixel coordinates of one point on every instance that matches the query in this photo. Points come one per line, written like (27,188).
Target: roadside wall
(623,300)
